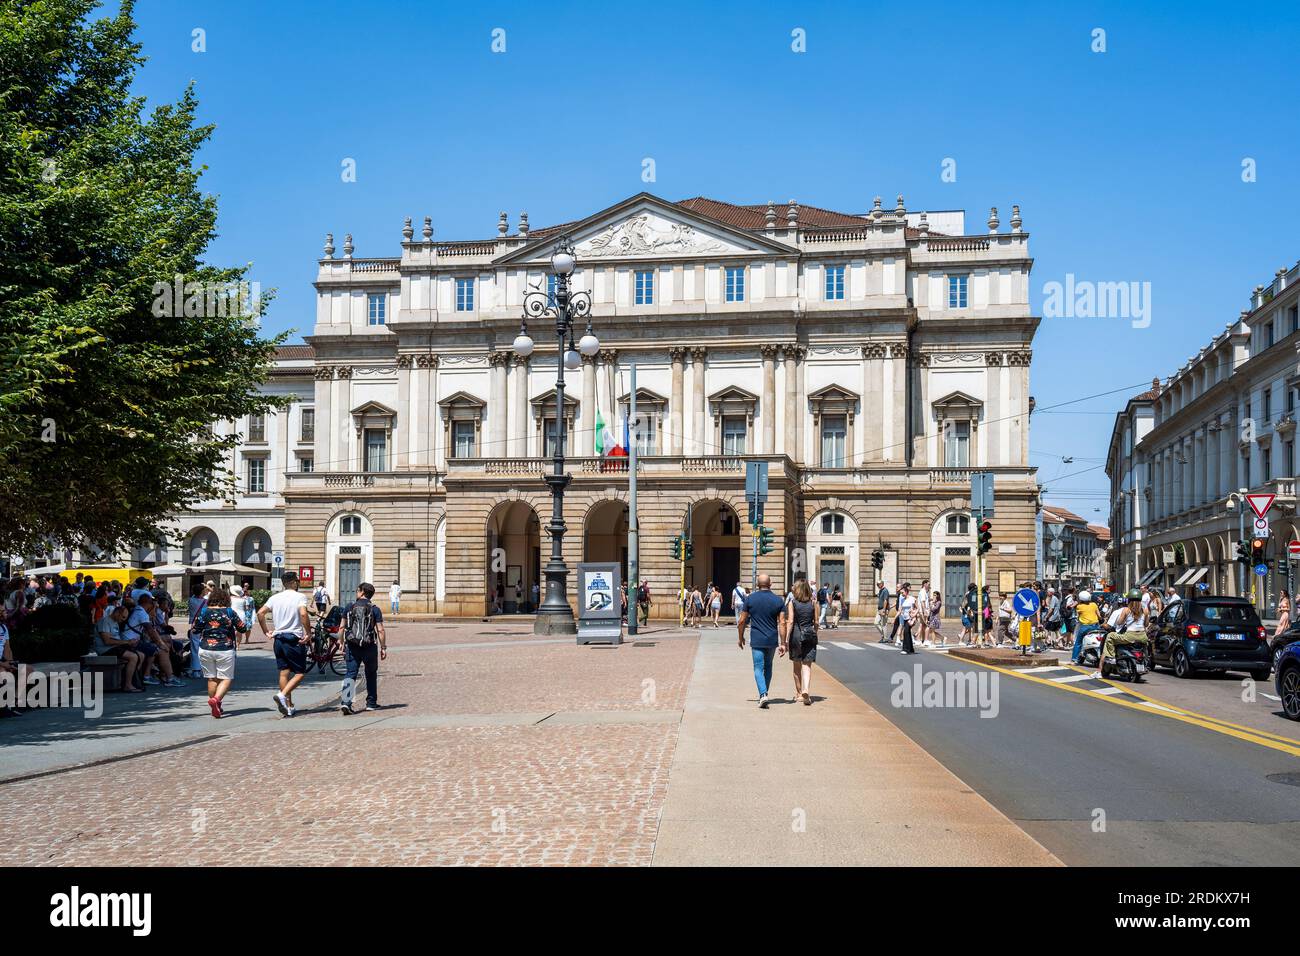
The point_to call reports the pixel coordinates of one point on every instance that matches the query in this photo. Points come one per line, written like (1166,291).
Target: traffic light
(1258,550)
(1243,552)
(1060,565)
(986,537)
(690,550)
(878,559)
(677,547)
(765,541)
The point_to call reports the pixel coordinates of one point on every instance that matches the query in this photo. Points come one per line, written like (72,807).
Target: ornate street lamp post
(555,616)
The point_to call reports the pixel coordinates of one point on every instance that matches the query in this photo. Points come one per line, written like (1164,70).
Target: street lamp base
(555,623)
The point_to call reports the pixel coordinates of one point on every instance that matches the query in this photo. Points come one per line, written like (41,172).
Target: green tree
(108,384)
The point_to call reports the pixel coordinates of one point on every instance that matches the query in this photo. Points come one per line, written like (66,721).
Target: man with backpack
(366,645)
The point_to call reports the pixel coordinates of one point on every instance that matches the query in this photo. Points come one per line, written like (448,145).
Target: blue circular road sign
(1261,569)
(1026,602)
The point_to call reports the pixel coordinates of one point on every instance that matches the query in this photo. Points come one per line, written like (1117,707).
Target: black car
(1212,633)
(1279,643)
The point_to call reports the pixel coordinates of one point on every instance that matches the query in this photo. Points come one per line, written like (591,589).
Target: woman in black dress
(800,637)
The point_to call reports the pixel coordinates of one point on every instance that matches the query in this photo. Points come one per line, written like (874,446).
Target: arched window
(350,524)
(958,524)
(832,524)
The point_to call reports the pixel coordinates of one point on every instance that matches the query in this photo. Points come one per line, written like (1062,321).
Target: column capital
(898,350)
(993,358)
(608,356)
(922,359)
(501,359)
(324,373)
(403,361)
(698,353)
(426,361)
(875,350)
(589,361)
(768,350)
(1020,358)
(796,352)
(344,371)
(677,353)
(519,361)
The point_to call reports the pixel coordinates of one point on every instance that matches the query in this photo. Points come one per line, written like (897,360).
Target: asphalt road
(1055,762)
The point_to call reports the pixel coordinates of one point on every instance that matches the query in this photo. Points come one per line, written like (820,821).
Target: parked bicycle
(326,648)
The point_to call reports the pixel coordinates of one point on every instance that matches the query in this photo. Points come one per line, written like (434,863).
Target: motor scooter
(1131,660)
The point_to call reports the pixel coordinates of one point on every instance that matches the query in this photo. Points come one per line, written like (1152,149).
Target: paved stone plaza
(493,747)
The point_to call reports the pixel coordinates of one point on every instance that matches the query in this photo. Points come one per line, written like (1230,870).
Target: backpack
(360,624)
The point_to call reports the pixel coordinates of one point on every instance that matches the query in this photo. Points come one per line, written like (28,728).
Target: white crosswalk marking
(1071,680)
(1045,669)
(845,645)
(1107,691)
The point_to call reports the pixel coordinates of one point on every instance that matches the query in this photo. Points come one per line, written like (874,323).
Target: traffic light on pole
(764,540)
(1060,564)
(1258,550)
(986,537)
(690,550)
(677,547)
(1243,552)
(878,559)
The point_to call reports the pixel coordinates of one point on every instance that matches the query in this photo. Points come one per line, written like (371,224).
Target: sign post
(756,496)
(1025,604)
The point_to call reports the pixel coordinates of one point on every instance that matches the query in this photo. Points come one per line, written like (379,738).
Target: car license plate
(1232,637)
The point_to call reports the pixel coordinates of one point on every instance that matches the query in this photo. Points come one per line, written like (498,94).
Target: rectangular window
(1290,400)
(256,476)
(550,435)
(1289,464)
(1268,335)
(1266,460)
(957,292)
(835,431)
(307,425)
(733,435)
(736,284)
(376,449)
(376,308)
(257,427)
(1294,315)
(464,295)
(956,444)
(832,524)
(306,465)
(462,440)
(1268,403)
(551,281)
(646,438)
(834,282)
(645,288)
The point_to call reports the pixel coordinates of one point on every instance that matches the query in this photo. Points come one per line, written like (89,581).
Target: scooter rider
(1089,620)
(1127,625)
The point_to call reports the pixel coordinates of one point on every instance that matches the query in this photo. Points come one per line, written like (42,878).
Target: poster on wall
(408,569)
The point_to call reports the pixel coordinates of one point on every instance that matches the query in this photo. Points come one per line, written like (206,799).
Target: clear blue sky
(1126,164)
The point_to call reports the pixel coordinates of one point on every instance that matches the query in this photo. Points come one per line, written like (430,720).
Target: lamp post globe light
(555,616)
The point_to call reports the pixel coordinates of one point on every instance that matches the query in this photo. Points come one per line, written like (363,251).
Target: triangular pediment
(644,396)
(373,409)
(957,400)
(733,393)
(833,393)
(646,227)
(546,400)
(463,399)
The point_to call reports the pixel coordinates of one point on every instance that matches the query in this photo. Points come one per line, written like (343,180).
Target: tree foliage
(107,389)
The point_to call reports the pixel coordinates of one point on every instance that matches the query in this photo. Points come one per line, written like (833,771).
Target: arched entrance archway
(253,550)
(202,546)
(604,533)
(514,549)
(833,553)
(951,558)
(715,534)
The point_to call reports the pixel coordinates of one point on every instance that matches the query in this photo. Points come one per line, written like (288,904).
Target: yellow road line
(1173,712)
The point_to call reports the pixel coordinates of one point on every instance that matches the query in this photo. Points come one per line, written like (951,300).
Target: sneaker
(762,702)
(173,681)
(291,712)
(373,705)
(345,710)
(281,704)
(152,680)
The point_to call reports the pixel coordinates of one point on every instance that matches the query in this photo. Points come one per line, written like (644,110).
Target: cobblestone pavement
(491,749)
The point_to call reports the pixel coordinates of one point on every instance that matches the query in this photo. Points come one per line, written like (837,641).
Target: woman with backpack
(799,637)
(217,628)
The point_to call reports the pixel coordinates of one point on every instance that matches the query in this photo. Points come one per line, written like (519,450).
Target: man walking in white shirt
(395,596)
(284,620)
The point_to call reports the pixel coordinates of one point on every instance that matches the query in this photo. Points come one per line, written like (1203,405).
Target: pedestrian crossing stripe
(844,644)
